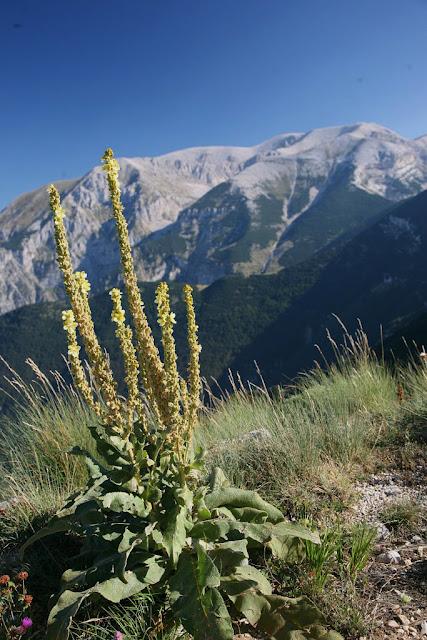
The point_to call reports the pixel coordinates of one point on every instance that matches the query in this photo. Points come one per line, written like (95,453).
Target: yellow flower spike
(62,251)
(77,288)
(151,366)
(194,381)
(77,371)
(166,320)
(124,335)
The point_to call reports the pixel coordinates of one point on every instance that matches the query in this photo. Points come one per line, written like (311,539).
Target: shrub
(146,519)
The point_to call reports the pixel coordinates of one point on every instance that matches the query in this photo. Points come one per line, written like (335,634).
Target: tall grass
(323,426)
(293,444)
(45,419)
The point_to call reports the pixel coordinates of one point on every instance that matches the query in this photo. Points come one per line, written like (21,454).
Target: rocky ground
(397,576)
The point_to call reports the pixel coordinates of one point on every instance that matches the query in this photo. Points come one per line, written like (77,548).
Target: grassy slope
(316,440)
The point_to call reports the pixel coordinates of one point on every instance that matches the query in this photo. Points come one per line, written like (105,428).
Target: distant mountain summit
(200,214)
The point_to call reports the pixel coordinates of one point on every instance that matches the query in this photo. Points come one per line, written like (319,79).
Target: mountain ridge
(205,212)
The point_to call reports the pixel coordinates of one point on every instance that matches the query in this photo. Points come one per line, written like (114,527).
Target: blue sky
(150,76)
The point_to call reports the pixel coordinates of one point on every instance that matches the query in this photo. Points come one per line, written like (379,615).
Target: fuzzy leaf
(196,601)
(94,468)
(120,501)
(245,578)
(229,555)
(232,497)
(218,480)
(285,542)
(174,536)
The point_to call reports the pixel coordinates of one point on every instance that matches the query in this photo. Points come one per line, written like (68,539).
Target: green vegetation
(403,517)
(311,441)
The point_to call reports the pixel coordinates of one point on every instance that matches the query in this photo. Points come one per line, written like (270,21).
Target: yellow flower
(69,321)
(83,284)
(74,350)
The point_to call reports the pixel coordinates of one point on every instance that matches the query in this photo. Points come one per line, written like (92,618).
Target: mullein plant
(146,519)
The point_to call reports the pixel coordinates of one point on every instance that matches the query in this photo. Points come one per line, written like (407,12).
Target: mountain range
(201,214)
(279,237)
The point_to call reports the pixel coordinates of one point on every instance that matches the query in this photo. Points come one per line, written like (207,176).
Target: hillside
(378,276)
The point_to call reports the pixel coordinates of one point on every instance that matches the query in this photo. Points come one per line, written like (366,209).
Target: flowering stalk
(77,288)
(194,381)
(77,371)
(124,335)
(166,320)
(148,355)
(172,402)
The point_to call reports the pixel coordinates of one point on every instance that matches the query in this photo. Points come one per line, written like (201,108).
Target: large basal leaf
(69,602)
(229,555)
(195,598)
(218,480)
(291,619)
(174,536)
(286,538)
(70,519)
(121,501)
(94,468)
(240,498)
(243,579)
(275,535)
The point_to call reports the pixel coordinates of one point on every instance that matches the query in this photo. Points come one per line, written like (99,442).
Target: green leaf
(229,555)
(286,539)
(218,480)
(223,528)
(175,534)
(195,599)
(249,514)
(282,617)
(60,525)
(120,501)
(113,590)
(245,578)
(232,497)
(94,468)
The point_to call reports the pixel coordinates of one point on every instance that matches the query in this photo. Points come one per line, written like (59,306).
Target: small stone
(389,557)
(393,624)
(382,532)
(403,619)
(407,562)
(416,539)
(420,551)
(424,628)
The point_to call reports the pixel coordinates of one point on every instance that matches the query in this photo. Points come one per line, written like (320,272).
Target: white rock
(389,557)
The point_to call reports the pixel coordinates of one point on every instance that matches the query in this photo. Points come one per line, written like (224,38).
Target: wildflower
(69,321)
(22,575)
(423,355)
(80,279)
(73,350)
(26,623)
(118,635)
(4,579)
(28,599)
